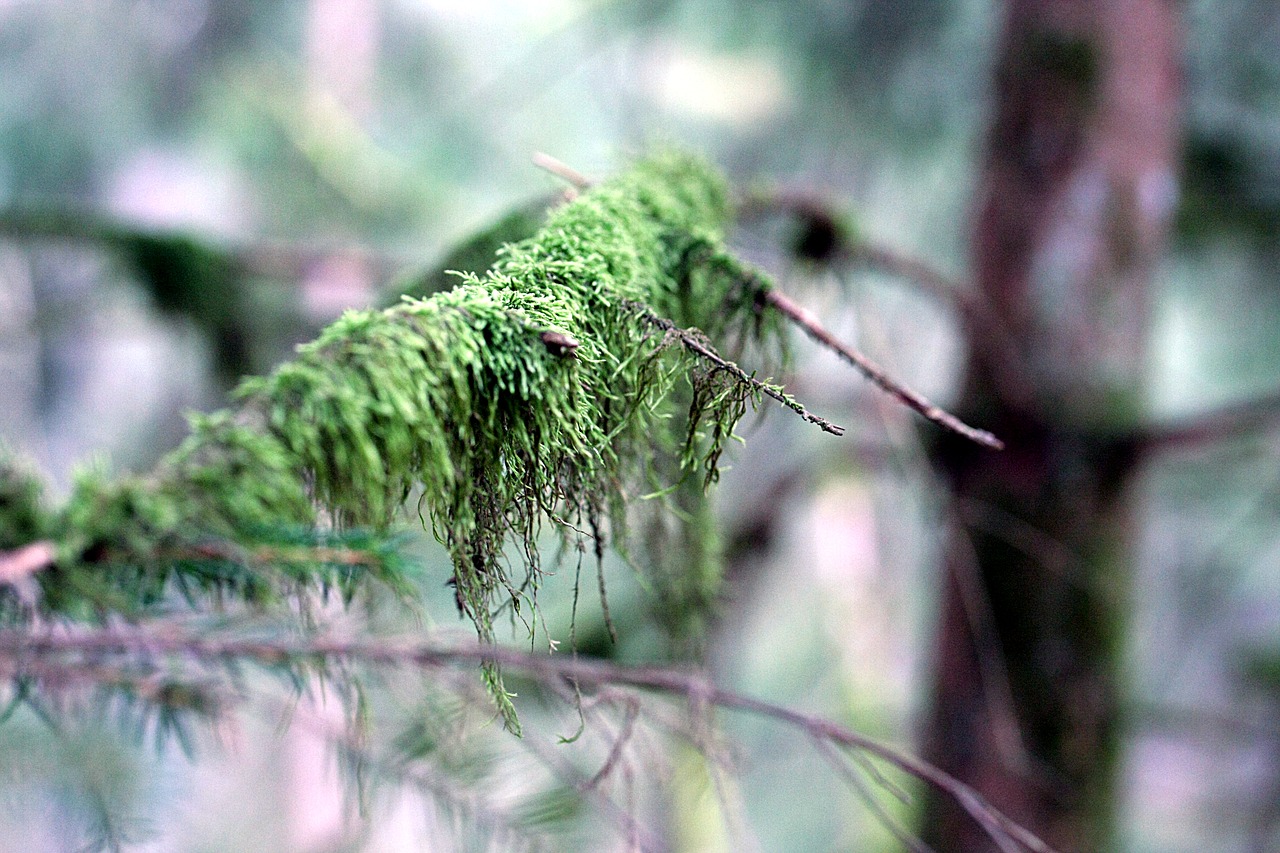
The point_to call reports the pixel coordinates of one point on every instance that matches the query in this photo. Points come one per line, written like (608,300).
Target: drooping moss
(540,392)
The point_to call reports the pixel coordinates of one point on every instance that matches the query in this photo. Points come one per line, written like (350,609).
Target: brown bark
(1076,190)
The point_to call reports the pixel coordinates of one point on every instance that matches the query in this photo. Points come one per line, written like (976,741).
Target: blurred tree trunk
(1076,189)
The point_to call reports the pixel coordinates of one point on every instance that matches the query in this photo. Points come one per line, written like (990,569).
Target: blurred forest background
(189,188)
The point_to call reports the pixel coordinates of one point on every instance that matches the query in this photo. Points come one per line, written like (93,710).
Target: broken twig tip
(561,170)
(17,566)
(986,439)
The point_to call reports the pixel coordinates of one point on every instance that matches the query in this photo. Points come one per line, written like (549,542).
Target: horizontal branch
(21,563)
(271,259)
(692,342)
(19,649)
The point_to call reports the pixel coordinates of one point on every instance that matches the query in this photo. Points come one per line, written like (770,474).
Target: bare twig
(18,649)
(619,743)
(806,320)
(863,790)
(561,170)
(622,817)
(698,346)
(19,565)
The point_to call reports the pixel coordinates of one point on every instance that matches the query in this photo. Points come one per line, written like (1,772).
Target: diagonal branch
(806,320)
(699,347)
(561,170)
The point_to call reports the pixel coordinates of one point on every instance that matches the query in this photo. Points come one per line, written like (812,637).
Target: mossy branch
(833,236)
(533,392)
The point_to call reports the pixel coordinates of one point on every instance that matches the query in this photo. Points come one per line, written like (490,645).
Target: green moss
(541,391)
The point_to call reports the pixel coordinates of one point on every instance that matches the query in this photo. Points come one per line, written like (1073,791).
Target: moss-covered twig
(534,391)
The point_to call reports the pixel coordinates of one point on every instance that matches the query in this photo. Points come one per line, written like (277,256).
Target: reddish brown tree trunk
(1076,190)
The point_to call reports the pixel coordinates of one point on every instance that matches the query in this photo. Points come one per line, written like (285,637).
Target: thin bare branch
(621,817)
(19,565)
(840,764)
(18,649)
(561,170)
(806,320)
(619,743)
(697,345)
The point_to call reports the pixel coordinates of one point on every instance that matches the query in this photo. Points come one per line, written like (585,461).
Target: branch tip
(561,170)
(696,345)
(18,565)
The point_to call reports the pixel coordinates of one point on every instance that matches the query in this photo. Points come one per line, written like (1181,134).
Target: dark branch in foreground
(23,654)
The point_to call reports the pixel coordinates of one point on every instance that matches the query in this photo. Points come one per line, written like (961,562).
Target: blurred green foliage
(881,104)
